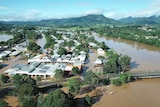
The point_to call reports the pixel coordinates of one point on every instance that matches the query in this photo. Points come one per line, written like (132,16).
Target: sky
(31,10)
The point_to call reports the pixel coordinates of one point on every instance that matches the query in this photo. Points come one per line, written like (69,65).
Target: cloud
(83,3)
(3,8)
(32,14)
(29,15)
(152,9)
(140,13)
(71,15)
(94,11)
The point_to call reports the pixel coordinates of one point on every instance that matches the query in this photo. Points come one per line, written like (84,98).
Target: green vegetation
(88,99)
(116,63)
(123,78)
(91,79)
(143,34)
(57,98)
(75,71)
(25,89)
(59,75)
(3,103)
(33,47)
(4,78)
(124,62)
(74,86)
(49,40)
(62,51)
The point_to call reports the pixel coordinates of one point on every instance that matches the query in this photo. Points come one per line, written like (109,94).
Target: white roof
(92,44)
(14,53)
(98,61)
(68,68)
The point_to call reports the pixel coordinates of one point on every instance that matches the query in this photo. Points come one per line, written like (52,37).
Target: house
(40,58)
(22,46)
(100,52)
(98,61)
(5,53)
(92,44)
(69,67)
(36,69)
(15,53)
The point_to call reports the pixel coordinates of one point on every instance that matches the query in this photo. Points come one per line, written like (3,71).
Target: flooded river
(144,57)
(143,93)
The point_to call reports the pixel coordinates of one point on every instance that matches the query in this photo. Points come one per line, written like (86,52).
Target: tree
(25,89)
(123,78)
(3,103)
(59,75)
(57,98)
(4,78)
(33,47)
(124,62)
(74,86)
(91,78)
(103,46)
(116,82)
(88,99)
(40,100)
(110,67)
(75,70)
(62,51)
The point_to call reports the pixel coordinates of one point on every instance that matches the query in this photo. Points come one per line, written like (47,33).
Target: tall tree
(74,86)
(59,76)
(4,78)
(124,62)
(75,70)
(25,89)
(91,78)
(57,98)
(3,103)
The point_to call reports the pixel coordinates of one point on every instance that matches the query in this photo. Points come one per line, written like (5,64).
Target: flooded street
(41,42)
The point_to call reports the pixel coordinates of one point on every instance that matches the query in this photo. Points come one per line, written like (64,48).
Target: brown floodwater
(144,57)
(142,93)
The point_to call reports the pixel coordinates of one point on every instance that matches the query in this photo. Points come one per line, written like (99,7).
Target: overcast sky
(24,10)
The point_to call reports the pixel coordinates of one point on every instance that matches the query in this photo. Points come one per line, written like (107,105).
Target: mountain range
(152,20)
(91,19)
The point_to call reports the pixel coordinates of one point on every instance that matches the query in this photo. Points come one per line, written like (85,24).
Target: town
(63,56)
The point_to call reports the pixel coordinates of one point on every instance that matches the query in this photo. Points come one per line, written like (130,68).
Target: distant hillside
(84,20)
(141,20)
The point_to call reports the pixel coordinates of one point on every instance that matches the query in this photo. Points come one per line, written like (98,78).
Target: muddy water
(144,57)
(143,93)
(41,42)
(5,37)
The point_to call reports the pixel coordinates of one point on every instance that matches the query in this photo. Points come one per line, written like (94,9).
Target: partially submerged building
(36,69)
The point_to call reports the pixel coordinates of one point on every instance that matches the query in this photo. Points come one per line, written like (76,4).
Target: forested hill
(84,20)
(92,19)
(152,20)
